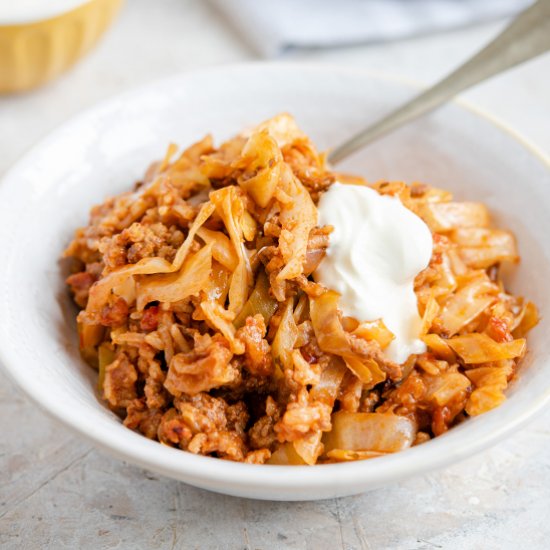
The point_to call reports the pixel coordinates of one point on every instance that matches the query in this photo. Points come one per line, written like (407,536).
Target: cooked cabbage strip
(283,129)
(490,383)
(445,386)
(430,313)
(229,207)
(478,348)
(221,319)
(467,303)
(527,319)
(440,347)
(364,359)
(374,330)
(262,160)
(445,283)
(205,212)
(443,217)
(481,248)
(193,277)
(222,249)
(121,281)
(298,217)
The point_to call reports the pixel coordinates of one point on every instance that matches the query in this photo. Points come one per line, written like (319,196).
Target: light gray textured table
(57,492)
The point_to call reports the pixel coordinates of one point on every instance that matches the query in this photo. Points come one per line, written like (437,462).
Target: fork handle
(526,37)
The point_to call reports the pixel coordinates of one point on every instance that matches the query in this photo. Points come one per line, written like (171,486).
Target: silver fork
(526,37)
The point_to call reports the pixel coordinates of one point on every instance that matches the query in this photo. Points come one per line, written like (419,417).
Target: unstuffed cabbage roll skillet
(246,302)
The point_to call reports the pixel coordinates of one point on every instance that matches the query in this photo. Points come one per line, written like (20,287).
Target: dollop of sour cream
(376,250)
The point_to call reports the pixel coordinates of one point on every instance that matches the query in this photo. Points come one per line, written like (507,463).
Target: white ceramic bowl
(104,150)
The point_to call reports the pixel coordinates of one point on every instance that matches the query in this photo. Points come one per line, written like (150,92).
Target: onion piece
(286,455)
(89,336)
(106,356)
(259,301)
(248,226)
(326,390)
(309,447)
(378,432)
(219,283)
(285,338)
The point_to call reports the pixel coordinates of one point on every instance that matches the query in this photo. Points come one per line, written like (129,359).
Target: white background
(56,491)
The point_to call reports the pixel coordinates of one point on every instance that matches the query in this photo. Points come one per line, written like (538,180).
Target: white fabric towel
(273,27)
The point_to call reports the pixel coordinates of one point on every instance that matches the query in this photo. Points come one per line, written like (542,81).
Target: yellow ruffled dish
(34,52)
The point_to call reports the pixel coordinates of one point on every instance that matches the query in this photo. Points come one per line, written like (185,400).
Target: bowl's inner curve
(105,151)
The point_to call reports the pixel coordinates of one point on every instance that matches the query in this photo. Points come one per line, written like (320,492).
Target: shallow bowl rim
(207,470)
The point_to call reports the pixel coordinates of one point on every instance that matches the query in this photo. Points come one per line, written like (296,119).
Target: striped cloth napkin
(273,27)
